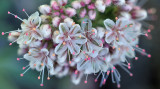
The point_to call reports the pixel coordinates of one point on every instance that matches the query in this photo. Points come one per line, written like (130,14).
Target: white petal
(63,28)
(109,24)
(60,48)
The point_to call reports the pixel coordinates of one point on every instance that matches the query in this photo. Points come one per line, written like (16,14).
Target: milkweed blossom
(83,37)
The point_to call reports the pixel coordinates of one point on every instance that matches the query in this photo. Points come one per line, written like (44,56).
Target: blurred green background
(146,71)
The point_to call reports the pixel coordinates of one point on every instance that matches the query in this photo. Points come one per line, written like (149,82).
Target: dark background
(146,71)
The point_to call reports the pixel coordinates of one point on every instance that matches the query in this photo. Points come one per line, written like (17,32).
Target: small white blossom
(39,59)
(90,64)
(93,44)
(118,33)
(30,30)
(68,39)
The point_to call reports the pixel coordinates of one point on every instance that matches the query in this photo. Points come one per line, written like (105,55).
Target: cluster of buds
(54,41)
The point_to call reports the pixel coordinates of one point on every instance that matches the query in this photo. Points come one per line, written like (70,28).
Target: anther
(39,77)
(2,33)
(149,55)
(73,23)
(48,78)
(95,80)
(76,72)
(53,54)
(85,81)
(24,68)
(131,74)
(21,75)
(41,85)
(18,59)
(64,43)
(10,44)
(136,58)
(116,18)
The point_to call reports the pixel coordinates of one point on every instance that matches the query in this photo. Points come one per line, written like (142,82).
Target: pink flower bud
(56,21)
(92,14)
(70,12)
(108,2)
(118,2)
(56,13)
(91,6)
(139,14)
(83,13)
(61,11)
(82,4)
(87,1)
(54,5)
(62,2)
(63,16)
(76,4)
(126,8)
(45,9)
(46,30)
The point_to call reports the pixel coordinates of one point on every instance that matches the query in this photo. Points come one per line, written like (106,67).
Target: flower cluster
(64,40)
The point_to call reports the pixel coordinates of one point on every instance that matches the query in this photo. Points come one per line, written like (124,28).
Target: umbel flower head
(80,37)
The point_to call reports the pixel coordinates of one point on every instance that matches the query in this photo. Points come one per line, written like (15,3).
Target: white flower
(100,5)
(68,39)
(93,44)
(46,30)
(30,30)
(90,64)
(119,33)
(39,59)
